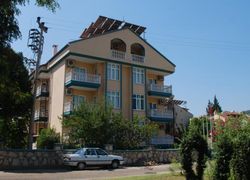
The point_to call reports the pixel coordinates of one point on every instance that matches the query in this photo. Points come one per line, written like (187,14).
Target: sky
(208,41)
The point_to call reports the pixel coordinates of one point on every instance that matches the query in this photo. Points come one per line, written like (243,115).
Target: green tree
(15,99)
(232,148)
(96,125)
(193,149)
(15,96)
(213,107)
(216,105)
(9,30)
(47,138)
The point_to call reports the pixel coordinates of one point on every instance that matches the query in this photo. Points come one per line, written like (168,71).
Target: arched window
(118,45)
(137,49)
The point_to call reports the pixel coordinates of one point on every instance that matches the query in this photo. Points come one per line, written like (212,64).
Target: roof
(227,114)
(104,23)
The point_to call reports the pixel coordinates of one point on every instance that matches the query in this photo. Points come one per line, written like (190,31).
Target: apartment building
(110,60)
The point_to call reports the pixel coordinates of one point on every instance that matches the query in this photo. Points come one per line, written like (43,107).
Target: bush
(240,163)
(224,150)
(96,125)
(232,152)
(47,138)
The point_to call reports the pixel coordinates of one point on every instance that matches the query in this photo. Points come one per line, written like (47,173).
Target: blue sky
(209,41)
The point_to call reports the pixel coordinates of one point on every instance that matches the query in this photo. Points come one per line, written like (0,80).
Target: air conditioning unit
(68,91)
(160,78)
(70,63)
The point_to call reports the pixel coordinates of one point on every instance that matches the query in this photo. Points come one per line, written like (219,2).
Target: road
(64,174)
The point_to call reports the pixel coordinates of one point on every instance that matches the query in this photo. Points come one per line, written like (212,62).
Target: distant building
(182,116)
(225,115)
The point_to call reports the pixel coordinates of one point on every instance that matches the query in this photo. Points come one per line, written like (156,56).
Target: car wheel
(81,166)
(115,164)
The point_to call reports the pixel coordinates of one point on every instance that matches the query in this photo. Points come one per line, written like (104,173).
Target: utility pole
(35,42)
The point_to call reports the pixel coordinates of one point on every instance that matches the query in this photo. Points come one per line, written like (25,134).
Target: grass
(174,174)
(154,177)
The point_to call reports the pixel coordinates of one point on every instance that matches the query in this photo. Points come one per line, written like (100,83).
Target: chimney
(55,49)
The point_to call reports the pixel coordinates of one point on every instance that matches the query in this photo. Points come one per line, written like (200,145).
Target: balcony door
(77,101)
(152,81)
(152,106)
(80,74)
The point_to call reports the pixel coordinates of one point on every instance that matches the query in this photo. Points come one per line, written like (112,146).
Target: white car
(92,157)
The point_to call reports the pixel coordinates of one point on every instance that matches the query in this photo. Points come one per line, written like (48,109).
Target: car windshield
(79,151)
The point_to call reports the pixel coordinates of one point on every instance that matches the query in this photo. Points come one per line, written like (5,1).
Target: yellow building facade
(116,64)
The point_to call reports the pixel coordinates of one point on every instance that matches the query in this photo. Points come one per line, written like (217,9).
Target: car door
(103,157)
(91,157)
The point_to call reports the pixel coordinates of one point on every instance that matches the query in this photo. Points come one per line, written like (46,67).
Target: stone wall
(20,159)
(152,156)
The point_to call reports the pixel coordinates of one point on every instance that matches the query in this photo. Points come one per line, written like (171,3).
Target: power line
(35,42)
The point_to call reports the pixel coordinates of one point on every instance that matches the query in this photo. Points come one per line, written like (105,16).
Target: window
(113,71)
(79,74)
(114,98)
(138,102)
(100,152)
(78,100)
(138,75)
(152,81)
(152,105)
(90,152)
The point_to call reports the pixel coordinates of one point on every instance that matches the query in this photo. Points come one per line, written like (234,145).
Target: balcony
(138,58)
(68,108)
(42,91)
(165,140)
(82,80)
(160,115)
(41,115)
(117,54)
(159,90)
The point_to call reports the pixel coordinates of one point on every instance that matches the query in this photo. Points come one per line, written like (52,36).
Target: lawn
(154,177)
(172,175)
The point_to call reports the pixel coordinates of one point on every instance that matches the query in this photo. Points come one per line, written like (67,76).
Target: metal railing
(162,140)
(40,90)
(83,77)
(68,107)
(117,54)
(138,58)
(160,88)
(161,113)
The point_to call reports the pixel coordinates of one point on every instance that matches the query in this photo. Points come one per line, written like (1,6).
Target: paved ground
(84,174)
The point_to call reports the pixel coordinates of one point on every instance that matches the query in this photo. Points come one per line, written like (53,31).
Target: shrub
(194,148)
(240,163)
(224,150)
(47,138)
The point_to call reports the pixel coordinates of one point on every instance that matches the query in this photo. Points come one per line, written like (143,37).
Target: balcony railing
(83,77)
(41,90)
(138,58)
(161,113)
(68,107)
(160,88)
(162,140)
(117,54)
(41,114)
